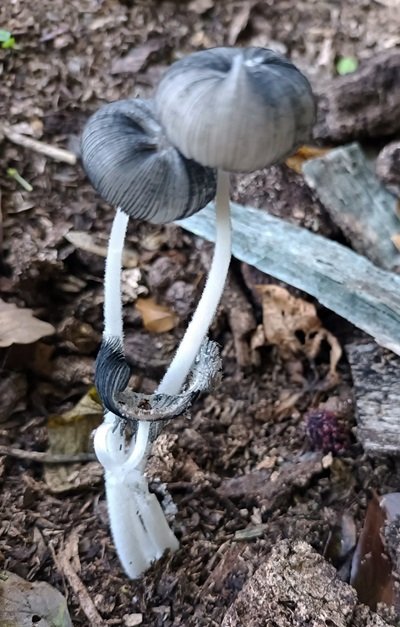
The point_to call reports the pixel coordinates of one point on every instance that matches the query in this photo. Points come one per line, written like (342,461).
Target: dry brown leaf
(70,433)
(156,318)
(293,326)
(371,570)
(396,240)
(13,393)
(304,153)
(19,326)
(137,58)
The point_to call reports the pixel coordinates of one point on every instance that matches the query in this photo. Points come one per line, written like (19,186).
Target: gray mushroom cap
(132,165)
(239,109)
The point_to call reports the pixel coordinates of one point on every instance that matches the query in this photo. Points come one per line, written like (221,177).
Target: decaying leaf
(200,6)
(13,391)
(371,569)
(138,57)
(304,153)
(70,433)
(293,326)
(156,318)
(25,603)
(19,326)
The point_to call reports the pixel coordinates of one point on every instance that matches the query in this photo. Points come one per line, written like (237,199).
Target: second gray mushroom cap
(132,165)
(235,109)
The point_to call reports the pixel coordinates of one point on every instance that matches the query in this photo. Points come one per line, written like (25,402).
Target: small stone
(132,620)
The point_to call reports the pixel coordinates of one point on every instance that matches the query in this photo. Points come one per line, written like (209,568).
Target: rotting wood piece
(339,278)
(388,167)
(294,587)
(357,202)
(365,103)
(375,374)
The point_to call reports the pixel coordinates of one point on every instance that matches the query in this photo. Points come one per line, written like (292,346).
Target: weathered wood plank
(377,392)
(337,277)
(357,202)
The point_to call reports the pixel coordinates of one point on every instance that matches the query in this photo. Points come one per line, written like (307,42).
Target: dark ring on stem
(112,374)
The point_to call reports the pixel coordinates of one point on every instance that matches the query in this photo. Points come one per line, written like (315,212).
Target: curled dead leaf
(303,154)
(372,572)
(70,433)
(293,326)
(156,318)
(19,326)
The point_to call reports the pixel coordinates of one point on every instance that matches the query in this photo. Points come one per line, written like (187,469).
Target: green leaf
(346,65)
(6,39)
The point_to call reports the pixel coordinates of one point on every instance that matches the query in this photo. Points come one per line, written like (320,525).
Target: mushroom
(237,109)
(132,165)
(130,162)
(226,108)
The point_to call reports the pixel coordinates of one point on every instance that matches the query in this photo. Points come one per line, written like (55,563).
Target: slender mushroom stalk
(224,108)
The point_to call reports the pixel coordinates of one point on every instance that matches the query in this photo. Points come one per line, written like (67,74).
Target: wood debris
(339,278)
(296,587)
(357,202)
(363,104)
(375,375)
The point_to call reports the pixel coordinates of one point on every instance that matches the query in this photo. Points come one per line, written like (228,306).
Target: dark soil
(246,470)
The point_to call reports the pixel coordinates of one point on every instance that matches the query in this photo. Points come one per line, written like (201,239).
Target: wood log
(357,202)
(363,104)
(337,277)
(377,394)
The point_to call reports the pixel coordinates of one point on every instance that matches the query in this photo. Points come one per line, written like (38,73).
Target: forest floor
(247,470)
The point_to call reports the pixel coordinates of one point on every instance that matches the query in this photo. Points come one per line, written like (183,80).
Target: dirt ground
(69,58)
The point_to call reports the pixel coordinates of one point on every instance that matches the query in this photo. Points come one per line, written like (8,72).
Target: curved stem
(138,524)
(198,327)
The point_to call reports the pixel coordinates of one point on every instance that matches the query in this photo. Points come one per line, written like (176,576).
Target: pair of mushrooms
(216,111)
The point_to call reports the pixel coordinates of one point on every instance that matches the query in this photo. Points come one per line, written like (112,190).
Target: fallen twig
(59,154)
(64,564)
(46,458)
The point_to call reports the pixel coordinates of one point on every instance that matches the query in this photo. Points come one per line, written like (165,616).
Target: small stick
(64,564)
(59,154)
(46,458)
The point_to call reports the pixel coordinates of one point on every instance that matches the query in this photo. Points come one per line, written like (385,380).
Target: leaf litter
(252,429)
(20,326)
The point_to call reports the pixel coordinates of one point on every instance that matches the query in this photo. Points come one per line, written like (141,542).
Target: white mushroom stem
(113,326)
(198,327)
(139,528)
